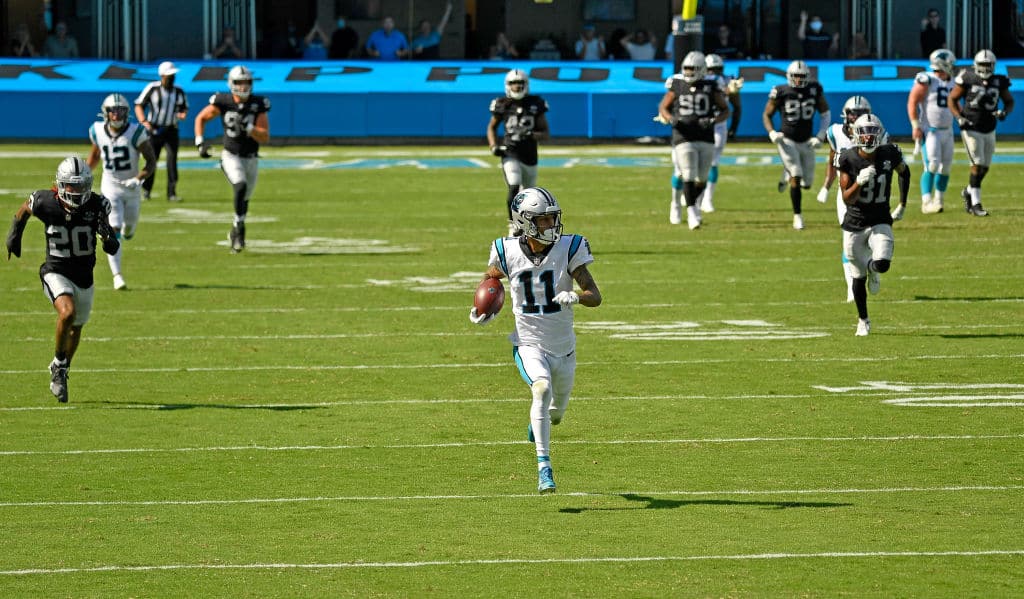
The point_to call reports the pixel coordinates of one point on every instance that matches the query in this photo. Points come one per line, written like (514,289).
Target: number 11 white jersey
(534,281)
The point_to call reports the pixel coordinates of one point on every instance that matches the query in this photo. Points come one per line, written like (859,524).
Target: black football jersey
(519,118)
(694,101)
(70,236)
(797,105)
(236,116)
(872,205)
(981,99)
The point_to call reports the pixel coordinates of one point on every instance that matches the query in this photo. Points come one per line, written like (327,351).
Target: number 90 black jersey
(236,117)
(797,105)
(694,102)
(981,99)
(70,236)
(872,205)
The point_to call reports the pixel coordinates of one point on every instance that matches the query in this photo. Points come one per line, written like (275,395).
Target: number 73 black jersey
(236,117)
(981,99)
(70,236)
(872,205)
(694,101)
(797,105)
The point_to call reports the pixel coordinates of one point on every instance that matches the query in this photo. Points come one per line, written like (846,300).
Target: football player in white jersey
(730,86)
(119,143)
(932,122)
(541,265)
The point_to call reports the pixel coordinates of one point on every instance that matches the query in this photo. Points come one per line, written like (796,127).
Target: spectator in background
(639,45)
(503,49)
(933,37)
(386,43)
(427,45)
(288,44)
(723,44)
(616,51)
(228,47)
(818,44)
(60,44)
(344,41)
(314,45)
(590,46)
(21,44)
(859,48)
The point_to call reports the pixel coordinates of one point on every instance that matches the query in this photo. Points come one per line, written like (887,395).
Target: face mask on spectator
(815,26)
(341,23)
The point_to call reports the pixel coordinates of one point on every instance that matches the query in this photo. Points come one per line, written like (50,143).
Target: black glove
(111,245)
(204,150)
(705,122)
(14,238)
(499,151)
(732,134)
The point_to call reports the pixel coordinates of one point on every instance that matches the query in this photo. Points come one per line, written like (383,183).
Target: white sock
(677,196)
(975,193)
(543,461)
(115,262)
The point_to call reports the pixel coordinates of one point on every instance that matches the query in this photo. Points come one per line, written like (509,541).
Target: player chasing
(693,105)
(119,143)
(932,123)
(797,100)
(246,125)
(731,87)
(541,265)
(73,216)
(980,89)
(525,122)
(866,172)
(840,137)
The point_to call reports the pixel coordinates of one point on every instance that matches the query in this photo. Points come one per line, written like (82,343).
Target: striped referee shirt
(162,104)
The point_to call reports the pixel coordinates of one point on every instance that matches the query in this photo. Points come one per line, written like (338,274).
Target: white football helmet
(714,64)
(854,108)
(868,133)
(74,183)
(531,203)
(984,63)
(693,67)
(942,61)
(240,81)
(114,111)
(517,84)
(797,73)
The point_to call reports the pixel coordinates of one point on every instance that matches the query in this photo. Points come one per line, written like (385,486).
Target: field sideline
(317,417)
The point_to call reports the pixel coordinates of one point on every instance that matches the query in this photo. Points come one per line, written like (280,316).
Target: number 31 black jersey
(236,117)
(70,236)
(872,205)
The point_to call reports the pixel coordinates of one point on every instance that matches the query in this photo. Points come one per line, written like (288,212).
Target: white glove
(132,183)
(735,85)
(822,195)
(775,136)
(897,214)
(566,298)
(866,175)
(815,143)
(660,119)
(480,319)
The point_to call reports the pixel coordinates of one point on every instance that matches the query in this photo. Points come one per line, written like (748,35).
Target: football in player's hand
(490,297)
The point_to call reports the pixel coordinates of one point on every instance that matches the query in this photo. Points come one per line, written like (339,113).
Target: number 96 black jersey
(797,106)
(694,102)
(872,205)
(70,236)
(236,117)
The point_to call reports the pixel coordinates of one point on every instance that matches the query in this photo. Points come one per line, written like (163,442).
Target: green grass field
(316,416)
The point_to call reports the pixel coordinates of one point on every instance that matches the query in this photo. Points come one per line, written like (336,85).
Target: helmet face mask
(114,111)
(868,133)
(74,183)
(534,203)
(797,74)
(854,108)
(714,64)
(984,63)
(240,82)
(517,84)
(942,61)
(693,67)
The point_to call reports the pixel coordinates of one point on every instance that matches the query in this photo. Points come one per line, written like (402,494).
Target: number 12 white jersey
(534,281)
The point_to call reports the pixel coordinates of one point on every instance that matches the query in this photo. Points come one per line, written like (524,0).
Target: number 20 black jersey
(70,236)
(236,116)
(797,105)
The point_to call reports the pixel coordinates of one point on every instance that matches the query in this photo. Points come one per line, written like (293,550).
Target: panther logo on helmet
(534,202)
(114,111)
(868,133)
(797,73)
(74,183)
(985,63)
(714,64)
(517,84)
(240,82)
(854,108)
(942,61)
(693,67)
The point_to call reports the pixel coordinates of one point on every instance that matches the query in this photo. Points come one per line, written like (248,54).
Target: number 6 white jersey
(935,111)
(119,153)
(534,280)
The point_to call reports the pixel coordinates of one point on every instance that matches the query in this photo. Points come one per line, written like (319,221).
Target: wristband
(915,124)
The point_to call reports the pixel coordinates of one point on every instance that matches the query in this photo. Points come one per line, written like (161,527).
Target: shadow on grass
(932,298)
(193,406)
(980,335)
(654,503)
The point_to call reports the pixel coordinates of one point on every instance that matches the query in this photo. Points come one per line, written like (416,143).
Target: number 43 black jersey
(236,117)
(872,205)
(70,236)
(797,106)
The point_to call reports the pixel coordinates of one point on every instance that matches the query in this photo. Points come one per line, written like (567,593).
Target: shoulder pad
(923,78)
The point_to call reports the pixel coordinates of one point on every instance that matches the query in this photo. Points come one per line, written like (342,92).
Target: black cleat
(59,382)
(966,195)
(978,211)
(237,237)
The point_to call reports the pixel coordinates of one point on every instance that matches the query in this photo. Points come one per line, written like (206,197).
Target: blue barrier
(353,99)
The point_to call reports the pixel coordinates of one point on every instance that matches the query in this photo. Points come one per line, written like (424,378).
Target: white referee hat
(167,68)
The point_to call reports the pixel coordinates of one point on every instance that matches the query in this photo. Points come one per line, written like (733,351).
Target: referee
(166,105)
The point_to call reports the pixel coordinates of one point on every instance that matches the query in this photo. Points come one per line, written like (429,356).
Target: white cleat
(706,205)
(693,217)
(675,213)
(798,222)
(874,282)
(863,327)
(119,283)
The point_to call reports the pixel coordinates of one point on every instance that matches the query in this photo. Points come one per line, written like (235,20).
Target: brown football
(490,296)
